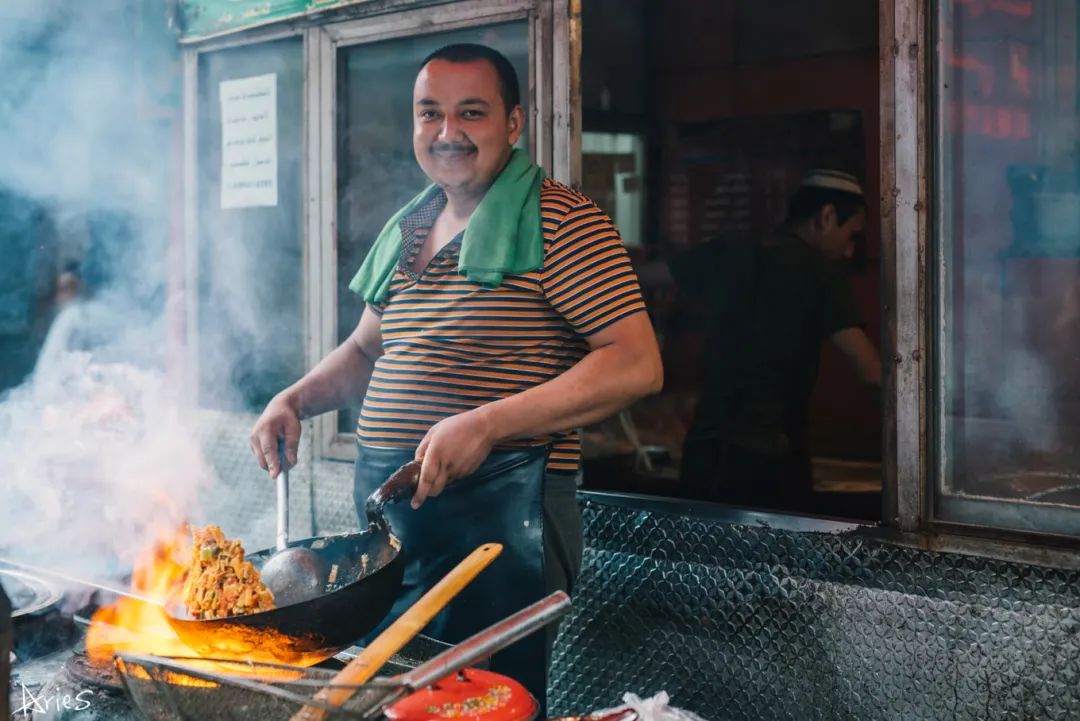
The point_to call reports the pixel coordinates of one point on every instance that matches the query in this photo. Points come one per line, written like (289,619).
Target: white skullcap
(833,180)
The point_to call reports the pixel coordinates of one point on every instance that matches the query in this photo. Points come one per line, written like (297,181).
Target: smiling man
(502,314)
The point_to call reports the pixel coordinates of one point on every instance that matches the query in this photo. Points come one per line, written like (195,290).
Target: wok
(364,575)
(29,595)
(40,627)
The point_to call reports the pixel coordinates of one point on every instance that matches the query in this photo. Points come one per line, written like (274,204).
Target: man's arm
(339,379)
(860,353)
(623,365)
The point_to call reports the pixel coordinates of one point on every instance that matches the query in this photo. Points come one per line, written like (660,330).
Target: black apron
(501,502)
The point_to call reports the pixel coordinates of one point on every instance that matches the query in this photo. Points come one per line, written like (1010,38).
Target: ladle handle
(282,482)
(61,576)
(400,485)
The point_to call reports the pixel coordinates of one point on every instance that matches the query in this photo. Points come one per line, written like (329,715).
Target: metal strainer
(190,689)
(200,689)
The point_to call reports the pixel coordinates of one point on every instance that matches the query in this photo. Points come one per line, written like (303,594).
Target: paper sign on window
(249,142)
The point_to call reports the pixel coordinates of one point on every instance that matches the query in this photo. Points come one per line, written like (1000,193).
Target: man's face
(838,239)
(462,133)
(67,288)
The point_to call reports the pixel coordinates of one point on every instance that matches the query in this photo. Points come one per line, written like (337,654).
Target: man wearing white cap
(772,305)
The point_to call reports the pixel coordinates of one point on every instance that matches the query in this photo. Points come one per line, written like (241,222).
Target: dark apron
(501,502)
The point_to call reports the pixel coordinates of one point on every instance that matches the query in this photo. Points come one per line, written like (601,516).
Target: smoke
(100,457)
(1007,342)
(86,143)
(101,450)
(72,128)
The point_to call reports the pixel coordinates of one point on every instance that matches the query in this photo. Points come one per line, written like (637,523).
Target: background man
(772,304)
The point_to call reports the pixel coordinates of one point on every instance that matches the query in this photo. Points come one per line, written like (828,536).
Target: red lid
(471,695)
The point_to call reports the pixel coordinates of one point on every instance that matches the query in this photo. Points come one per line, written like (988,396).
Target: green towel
(504,234)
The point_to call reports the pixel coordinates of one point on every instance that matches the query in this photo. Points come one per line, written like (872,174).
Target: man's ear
(819,220)
(516,124)
(827,217)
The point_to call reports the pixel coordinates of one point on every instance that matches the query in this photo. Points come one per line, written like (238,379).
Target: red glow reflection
(1015,8)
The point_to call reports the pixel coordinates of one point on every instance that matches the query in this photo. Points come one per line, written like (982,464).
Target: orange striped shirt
(450,345)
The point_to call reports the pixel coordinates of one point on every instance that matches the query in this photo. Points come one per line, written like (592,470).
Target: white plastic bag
(655,708)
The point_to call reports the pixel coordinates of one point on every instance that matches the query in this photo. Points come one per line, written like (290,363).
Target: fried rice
(220,582)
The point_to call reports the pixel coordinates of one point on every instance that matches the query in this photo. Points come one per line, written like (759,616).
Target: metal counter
(742,615)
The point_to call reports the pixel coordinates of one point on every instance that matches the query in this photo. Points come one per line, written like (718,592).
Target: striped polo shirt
(450,345)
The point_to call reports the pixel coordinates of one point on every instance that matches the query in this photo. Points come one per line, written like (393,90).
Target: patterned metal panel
(243,497)
(751,622)
(335,511)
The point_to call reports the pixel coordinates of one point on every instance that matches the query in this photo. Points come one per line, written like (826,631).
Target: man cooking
(772,304)
(502,313)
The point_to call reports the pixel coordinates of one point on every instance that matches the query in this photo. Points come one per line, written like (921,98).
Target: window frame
(188,289)
(554,134)
(912,222)
(903,243)
(326,42)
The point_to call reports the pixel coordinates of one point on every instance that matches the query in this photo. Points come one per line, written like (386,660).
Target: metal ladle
(293,574)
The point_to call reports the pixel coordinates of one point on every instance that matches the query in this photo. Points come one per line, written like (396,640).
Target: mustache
(452,147)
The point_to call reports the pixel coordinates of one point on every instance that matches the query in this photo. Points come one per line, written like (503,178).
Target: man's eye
(472,114)
(428,114)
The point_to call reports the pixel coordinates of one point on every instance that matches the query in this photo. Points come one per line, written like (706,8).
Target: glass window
(1008,258)
(250,276)
(613,175)
(377,172)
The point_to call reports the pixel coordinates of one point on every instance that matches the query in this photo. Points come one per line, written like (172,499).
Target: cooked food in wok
(220,582)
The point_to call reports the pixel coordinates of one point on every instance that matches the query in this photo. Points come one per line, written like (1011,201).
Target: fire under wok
(364,575)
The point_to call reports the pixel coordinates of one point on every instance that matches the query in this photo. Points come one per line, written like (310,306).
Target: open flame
(131,626)
(137,627)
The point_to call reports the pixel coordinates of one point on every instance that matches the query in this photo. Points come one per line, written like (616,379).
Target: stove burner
(104,676)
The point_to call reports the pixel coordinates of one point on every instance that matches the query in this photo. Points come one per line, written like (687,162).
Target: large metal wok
(40,627)
(363,580)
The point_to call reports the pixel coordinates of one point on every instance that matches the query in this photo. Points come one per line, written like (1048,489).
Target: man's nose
(450,130)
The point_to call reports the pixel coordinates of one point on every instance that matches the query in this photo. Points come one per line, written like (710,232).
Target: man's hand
(860,353)
(453,448)
(279,421)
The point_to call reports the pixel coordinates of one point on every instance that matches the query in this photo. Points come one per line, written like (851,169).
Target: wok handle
(400,485)
(400,632)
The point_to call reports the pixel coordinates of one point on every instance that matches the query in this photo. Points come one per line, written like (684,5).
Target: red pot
(470,695)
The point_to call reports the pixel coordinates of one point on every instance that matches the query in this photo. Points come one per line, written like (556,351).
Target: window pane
(377,172)
(613,173)
(1008,205)
(250,277)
